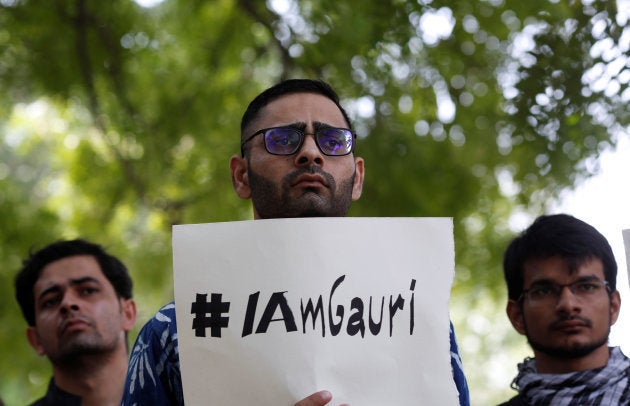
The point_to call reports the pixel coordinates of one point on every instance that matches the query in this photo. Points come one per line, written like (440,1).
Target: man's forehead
(299,108)
(558,268)
(68,269)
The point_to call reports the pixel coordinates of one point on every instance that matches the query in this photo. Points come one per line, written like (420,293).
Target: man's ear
(359,173)
(515,314)
(615,306)
(33,340)
(129,313)
(240,180)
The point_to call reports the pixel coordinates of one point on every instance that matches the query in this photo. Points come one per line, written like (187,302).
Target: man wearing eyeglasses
(561,277)
(297,160)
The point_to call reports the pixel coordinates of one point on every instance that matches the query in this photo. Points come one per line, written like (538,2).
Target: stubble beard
(572,351)
(273,201)
(73,350)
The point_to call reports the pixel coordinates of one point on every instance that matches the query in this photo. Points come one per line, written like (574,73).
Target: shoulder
(57,396)
(153,375)
(159,329)
(165,316)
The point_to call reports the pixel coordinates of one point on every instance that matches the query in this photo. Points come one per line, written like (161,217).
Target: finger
(320,398)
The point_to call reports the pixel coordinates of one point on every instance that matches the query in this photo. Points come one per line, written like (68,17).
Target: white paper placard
(248,293)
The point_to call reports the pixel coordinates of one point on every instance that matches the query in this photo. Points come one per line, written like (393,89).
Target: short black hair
(290,86)
(113,269)
(557,235)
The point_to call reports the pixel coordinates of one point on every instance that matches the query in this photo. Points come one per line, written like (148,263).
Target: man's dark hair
(559,235)
(286,87)
(113,269)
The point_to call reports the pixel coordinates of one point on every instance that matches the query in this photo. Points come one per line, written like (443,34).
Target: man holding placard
(297,160)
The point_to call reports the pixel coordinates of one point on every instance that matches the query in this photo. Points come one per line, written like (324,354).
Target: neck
(549,364)
(97,379)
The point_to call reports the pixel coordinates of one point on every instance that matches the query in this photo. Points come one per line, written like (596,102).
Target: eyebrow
(584,278)
(300,125)
(57,287)
(317,125)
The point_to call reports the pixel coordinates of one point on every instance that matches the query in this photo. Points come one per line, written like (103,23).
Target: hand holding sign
(320,398)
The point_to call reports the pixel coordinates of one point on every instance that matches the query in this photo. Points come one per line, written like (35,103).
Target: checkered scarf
(609,385)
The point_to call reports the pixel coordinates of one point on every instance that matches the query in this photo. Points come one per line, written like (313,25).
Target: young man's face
(307,183)
(571,325)
(77,311)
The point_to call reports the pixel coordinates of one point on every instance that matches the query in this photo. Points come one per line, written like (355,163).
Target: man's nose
(69,303)
(309,153)
(568,301)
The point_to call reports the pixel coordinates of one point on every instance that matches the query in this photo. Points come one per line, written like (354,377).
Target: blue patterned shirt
(154,377)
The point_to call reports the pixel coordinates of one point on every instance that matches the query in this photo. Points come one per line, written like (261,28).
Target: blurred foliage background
(117,119)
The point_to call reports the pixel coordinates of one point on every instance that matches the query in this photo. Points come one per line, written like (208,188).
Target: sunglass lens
(282,141)
(335,141)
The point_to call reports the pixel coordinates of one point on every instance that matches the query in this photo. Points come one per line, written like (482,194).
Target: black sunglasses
(331,141)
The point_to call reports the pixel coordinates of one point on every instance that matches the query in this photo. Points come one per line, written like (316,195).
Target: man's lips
(570,325)
(73,324)
(310,180)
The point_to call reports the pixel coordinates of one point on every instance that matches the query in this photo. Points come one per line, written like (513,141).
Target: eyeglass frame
(559,288)
(303,137)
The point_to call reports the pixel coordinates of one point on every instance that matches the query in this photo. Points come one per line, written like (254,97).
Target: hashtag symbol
(216,308)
